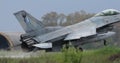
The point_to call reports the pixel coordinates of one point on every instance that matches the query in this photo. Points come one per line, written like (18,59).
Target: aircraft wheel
(49,50)
(80,48)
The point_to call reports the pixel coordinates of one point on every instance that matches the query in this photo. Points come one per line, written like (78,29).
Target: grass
(72,55)
(100,56)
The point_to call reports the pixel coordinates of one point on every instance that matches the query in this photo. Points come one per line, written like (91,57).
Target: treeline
(60,19)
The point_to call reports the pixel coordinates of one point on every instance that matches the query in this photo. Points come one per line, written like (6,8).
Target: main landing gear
(105,42)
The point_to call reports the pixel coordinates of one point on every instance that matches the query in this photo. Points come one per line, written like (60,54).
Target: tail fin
(29,23)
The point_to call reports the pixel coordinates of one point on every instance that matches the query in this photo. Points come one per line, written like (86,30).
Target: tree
(50,19)
(55,19)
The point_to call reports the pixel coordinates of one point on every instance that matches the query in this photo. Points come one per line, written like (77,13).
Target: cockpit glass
(108,12)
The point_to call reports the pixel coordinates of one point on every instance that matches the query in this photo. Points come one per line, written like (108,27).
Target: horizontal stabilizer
(43,45)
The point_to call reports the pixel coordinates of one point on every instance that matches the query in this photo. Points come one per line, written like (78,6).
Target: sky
(38,8)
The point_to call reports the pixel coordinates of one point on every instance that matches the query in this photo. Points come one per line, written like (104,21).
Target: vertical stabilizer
(29,23)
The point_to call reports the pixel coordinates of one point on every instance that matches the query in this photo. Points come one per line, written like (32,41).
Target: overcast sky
(40,7)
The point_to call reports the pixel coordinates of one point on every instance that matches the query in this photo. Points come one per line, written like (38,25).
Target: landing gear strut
(105,42)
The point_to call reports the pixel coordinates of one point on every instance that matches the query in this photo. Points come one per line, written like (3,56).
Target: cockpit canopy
(108,12)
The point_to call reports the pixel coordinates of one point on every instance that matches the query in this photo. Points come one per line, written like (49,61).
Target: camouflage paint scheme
(90,30)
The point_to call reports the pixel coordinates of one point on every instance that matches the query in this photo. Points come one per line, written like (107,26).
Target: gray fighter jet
(37,36)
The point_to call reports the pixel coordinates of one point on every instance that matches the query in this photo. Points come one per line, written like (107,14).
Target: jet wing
(81,33)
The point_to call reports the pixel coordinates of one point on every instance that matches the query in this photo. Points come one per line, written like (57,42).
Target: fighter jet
(96,28)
